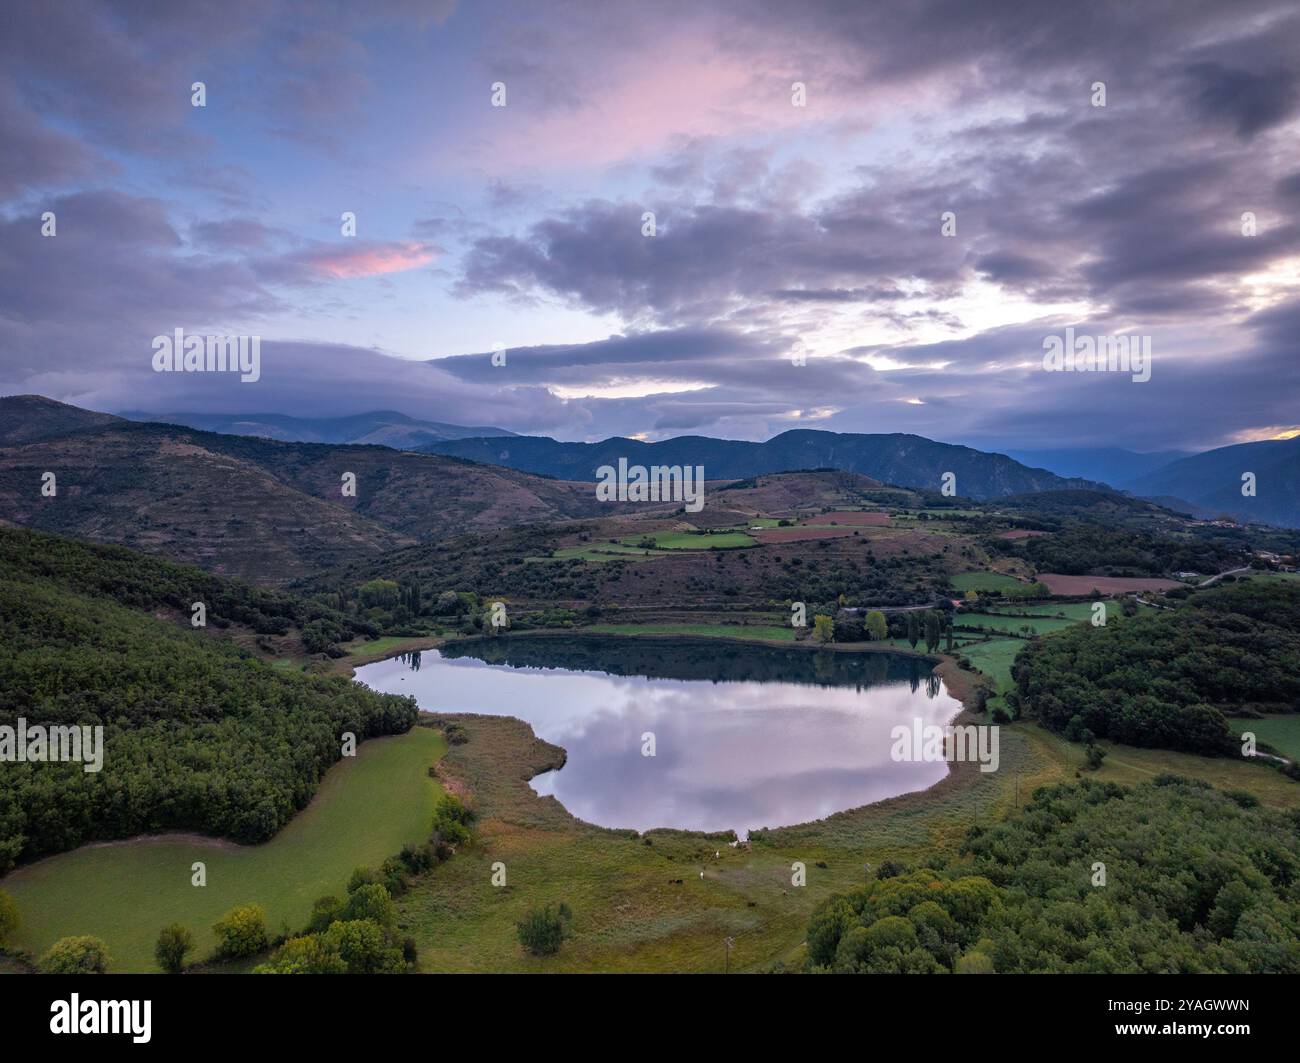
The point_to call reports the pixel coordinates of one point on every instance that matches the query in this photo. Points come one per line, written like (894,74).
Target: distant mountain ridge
(1212,482)
(906,460)
(386,428)
(1108,465)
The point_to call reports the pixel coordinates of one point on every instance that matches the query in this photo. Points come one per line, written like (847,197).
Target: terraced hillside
(251,507)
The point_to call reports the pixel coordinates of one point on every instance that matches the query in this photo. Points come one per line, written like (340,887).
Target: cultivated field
(1071,585)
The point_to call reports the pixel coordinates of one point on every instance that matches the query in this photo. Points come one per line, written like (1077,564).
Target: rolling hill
(27,418)
(905,460)
(266,511)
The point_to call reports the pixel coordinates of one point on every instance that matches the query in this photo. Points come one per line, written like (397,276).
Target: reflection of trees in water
(699,659)
(932,685)
(412,660)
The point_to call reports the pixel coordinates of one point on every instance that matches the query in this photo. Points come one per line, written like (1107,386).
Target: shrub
(310,954)
(543,930)
(76,955)
(173,943)
(369,902)
(363,947)
(451,820)
(241,932)
(323,912)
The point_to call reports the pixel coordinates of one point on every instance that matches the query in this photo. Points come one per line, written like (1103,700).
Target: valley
(633,605)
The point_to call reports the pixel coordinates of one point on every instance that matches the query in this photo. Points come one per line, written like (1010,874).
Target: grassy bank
(722,631)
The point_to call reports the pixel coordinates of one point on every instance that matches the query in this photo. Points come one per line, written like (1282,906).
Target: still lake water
(745,736)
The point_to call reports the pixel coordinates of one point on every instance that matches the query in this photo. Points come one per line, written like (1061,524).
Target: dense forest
(1094,549)
(147,583)
(1165,680)
(1169,876)
(198,734)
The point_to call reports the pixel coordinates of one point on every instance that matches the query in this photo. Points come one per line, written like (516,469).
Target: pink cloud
(369,260)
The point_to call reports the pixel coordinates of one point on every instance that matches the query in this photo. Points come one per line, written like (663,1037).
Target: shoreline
(958,683)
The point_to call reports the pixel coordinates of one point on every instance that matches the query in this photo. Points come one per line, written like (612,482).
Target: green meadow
(983,581)
(1278,732)
(730,540)
(364,811)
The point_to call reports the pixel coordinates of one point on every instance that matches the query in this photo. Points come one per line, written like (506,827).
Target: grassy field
(1043,618)
(1287,577)
(1128,765)
(994,659)
(1280,732)
(365,810)
(734,631)
(665,901)
(731,540)
(630,912)
(983,581)
(1013,625)
(1069,610)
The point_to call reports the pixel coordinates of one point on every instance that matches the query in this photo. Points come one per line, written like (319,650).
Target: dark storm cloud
(665,351)
(1248,101)
(326,379)
(706,260)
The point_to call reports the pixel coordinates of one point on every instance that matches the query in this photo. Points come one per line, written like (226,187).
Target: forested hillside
(1166,680)
(1169,876)
(198,734)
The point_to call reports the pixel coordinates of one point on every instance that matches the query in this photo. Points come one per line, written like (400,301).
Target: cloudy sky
(798,274)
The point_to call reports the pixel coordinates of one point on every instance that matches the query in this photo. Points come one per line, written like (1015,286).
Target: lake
(742,736)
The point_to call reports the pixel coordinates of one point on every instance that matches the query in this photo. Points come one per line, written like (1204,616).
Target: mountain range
(904,460)
(237,505)
(1206,484)
(273,511)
